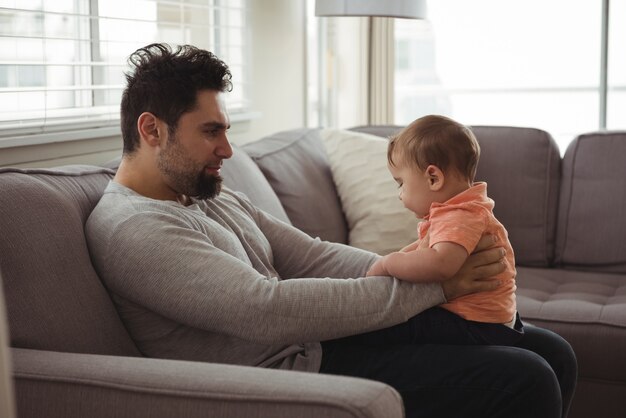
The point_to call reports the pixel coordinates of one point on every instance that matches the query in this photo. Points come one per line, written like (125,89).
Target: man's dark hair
(166,83)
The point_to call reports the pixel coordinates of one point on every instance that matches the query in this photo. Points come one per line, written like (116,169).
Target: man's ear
(436,178)
(150,129)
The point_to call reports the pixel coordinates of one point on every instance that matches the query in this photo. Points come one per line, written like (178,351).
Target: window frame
(46,132)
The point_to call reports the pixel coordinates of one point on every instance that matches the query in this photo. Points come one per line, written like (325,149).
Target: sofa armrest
(54,384)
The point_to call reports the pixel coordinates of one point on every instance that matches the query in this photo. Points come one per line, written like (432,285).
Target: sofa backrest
(55,301)
(522,169)
(593,203)
(384,131)
(296,166)
(241,174)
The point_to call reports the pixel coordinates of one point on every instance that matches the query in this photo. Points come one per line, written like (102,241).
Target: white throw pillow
(376,218)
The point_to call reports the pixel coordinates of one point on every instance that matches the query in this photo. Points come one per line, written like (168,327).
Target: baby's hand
(377,269)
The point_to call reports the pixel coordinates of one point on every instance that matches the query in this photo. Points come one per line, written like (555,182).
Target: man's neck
(146,180)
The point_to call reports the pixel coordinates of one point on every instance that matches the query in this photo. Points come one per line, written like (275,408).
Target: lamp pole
(604,63)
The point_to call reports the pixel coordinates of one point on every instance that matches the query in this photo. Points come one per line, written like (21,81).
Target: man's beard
(207,185)
(180,172)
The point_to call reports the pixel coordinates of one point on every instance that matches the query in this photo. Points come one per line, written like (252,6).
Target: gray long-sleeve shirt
(221,281)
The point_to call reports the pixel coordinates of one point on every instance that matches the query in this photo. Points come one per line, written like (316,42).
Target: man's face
(191,158)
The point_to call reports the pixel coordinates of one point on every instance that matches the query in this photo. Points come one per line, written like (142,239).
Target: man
(199,273)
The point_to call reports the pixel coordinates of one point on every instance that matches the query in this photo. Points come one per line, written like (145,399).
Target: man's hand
(479,266)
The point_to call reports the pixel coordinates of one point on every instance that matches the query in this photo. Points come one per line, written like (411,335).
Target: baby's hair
(439,141)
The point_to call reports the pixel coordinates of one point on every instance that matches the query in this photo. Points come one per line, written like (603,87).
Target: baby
(434,162)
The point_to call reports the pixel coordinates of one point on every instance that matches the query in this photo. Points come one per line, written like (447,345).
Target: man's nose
(225,149)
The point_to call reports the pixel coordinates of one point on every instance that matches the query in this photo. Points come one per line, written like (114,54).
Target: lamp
(408,9)
(380,54)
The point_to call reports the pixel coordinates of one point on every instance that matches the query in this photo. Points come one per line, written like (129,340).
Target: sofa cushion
(593,201)
(55,300)
(295,164)
(588,309)
(240,173)
(522,169)
(377,219)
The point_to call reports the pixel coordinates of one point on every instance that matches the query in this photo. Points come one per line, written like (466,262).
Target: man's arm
(486,261)
(474,275)
(296,254)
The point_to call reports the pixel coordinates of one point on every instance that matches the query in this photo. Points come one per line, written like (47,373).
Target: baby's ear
(436,177)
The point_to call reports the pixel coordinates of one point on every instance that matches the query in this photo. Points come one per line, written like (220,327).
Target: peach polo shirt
(463,219)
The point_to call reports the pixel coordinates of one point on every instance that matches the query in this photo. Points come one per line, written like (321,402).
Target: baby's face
(413,185)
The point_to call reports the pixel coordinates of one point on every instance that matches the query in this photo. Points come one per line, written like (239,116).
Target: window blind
(62,62)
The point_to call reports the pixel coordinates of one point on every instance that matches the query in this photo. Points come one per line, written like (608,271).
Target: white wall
(278,68)
(348,48)
(277,91)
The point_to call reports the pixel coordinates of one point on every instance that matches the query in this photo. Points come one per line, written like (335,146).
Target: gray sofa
(72,356)
(565,220)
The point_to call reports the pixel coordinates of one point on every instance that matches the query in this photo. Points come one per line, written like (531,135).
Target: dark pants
(440,326)
(534,378)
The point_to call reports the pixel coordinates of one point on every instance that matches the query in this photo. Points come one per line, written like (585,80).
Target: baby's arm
(412,246)
(438,263)
(377,268)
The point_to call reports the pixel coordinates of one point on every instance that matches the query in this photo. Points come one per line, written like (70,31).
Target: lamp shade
(408,9)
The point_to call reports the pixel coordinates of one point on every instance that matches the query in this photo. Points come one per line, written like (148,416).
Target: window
(62,62)
(616,95)
(531,63)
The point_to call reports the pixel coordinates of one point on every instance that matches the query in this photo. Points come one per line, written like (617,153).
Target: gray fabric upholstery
(522,169)
(588,308)
(240,173)
(591,230)
(295,164)
(384,131)
(597,398)
(55,300)
(62,385)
